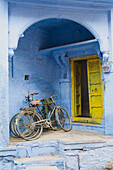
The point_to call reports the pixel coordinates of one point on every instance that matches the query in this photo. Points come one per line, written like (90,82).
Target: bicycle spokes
(29,123)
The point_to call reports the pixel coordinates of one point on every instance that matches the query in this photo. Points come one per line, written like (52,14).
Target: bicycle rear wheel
(53,120)
(26,126)
(64,119)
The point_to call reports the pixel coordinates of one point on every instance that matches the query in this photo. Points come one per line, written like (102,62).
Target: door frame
(81,119)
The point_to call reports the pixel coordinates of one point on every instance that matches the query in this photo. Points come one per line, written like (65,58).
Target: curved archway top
(14,41)
(61,31)
(71,19)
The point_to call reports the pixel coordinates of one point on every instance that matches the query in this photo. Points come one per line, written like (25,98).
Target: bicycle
(13,119)
(31,120)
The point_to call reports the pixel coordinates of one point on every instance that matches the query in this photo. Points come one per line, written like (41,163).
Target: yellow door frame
(74,114)
(77,90)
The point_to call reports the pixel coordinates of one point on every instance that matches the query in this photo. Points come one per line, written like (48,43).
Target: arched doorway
(43,56)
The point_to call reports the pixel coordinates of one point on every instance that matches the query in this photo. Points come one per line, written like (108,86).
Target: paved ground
(77,136)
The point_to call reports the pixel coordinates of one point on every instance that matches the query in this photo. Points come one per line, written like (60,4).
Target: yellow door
(76,86)
(95,89)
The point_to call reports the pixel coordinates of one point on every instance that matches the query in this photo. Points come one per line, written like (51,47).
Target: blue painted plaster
(4,112)
(68,155)
(60,32)
(43,71)
(45,76)
(71,33)
(48,73)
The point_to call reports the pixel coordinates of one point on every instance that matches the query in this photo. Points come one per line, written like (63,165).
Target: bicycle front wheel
(12,124)
(64,119)
(26,126)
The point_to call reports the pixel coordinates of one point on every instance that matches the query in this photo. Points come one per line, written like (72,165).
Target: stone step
(43,168)
(36,162)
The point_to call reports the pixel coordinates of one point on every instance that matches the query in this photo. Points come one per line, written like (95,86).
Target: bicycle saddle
(35,102)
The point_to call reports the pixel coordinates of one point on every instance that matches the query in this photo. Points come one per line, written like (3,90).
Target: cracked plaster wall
(4,118)
(74,156)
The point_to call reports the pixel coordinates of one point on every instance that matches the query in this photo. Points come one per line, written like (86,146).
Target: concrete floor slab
(76,136)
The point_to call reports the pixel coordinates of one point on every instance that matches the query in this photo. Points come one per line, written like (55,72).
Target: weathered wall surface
(43,76)
(75,156)
(4,112)
(108,82)
(42,71)
(21,17)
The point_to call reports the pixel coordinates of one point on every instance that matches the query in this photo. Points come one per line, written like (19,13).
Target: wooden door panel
(95,88)
(96,101)
(77,89)
(94,77)
(94,66)
(96,113)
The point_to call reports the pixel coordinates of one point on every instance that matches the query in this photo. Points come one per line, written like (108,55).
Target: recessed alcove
(38,54)
(26,77)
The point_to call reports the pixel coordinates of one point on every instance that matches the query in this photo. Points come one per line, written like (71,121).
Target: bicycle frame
(33,119)
(46,122)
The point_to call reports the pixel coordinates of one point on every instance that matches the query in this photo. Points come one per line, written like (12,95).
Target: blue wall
(43,70)
(71,33)
(59,32)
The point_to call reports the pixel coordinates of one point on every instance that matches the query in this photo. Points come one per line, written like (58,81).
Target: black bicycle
(29,123)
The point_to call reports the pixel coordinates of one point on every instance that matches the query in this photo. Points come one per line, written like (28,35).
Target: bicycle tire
(32,134)
(64,119)
(12,126)
(53,121)
(15,127)
(29,134)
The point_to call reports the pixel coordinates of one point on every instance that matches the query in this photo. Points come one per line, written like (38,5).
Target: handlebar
(28,97)
(53,96)
(34,94)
